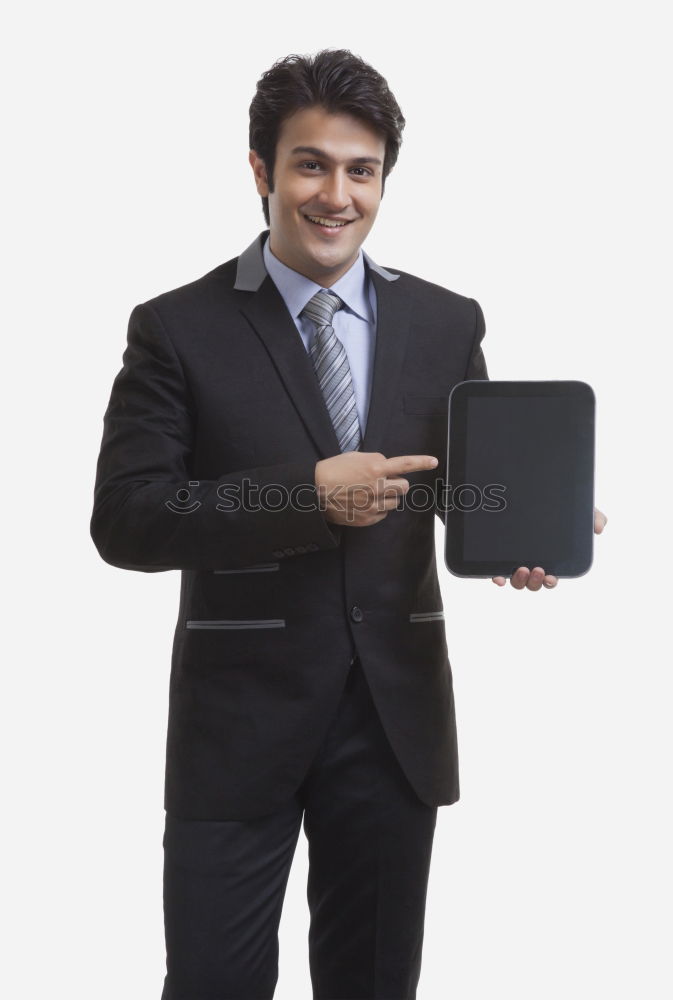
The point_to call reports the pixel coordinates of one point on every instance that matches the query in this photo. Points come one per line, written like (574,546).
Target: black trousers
(369,843)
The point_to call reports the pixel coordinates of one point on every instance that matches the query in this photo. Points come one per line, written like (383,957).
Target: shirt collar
(297,290)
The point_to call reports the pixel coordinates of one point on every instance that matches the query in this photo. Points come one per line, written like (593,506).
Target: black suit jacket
(216,391)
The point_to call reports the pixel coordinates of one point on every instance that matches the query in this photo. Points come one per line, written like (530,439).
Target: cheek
(370,200)
(300,192)
(288,194)
(369,209)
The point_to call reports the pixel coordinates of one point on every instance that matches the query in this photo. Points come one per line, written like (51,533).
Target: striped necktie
(331,366)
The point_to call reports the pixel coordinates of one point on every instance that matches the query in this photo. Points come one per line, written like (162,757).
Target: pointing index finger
(410,463)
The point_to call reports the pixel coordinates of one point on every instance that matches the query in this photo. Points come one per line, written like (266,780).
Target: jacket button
(356,613)
(278,553)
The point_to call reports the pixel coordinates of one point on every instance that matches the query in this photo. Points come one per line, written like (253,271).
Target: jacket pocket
(427,616)
(256,568)
(235,623)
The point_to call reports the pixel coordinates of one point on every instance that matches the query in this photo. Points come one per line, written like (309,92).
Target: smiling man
(263,433)
(327,180)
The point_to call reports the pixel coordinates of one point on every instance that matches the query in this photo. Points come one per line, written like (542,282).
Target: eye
(309,164)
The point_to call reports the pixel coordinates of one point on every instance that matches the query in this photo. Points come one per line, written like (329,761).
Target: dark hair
(334,79)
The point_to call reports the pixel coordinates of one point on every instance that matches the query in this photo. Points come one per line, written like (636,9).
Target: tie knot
(321,307)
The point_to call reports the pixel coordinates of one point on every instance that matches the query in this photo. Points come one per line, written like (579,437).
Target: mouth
(326,225)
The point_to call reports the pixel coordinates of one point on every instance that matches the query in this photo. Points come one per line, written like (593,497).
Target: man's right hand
(359,488)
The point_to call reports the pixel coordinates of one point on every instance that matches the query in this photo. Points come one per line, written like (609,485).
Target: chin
(329,256)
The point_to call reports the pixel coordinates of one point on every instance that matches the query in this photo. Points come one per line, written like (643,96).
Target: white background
(534,176)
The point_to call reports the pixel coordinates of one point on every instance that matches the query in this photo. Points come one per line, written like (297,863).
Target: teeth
(325,222)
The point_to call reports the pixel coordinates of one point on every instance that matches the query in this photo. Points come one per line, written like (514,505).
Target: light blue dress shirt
(354,324)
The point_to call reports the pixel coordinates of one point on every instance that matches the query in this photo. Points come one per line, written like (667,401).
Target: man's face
(328,166)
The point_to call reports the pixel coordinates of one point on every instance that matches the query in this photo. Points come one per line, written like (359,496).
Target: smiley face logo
(181,504)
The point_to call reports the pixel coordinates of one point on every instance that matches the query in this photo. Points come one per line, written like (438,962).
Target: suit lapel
(392,334)
(267,313)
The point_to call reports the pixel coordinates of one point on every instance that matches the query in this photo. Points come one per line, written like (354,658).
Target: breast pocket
(418,425)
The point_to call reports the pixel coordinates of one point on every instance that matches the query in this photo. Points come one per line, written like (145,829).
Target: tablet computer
(520,489)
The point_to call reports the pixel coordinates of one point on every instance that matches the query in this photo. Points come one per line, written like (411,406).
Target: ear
(259,172)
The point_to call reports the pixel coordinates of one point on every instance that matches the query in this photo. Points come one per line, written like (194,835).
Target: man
(262,436)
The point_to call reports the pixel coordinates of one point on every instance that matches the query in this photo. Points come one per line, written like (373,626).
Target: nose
(334,194)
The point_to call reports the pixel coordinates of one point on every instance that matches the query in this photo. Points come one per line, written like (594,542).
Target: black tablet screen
(524,492)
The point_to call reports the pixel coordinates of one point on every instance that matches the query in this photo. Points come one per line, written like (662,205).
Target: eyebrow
(314,151)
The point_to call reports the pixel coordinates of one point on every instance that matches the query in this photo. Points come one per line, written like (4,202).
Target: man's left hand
(526,579)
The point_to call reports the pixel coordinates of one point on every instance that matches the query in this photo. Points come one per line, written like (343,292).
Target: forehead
(339,136)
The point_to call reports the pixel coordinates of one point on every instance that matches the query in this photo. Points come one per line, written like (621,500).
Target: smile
(320,220)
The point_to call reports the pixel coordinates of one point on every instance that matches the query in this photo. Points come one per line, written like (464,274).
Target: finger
(549,581)
(387,503)
(388,487)
(600,520)
(364,521)
(365,501)
(519,579)
(409,463)
(535,579)
(500,580)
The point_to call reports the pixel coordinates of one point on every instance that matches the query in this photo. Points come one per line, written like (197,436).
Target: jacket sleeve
(476,369)
(149,512)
